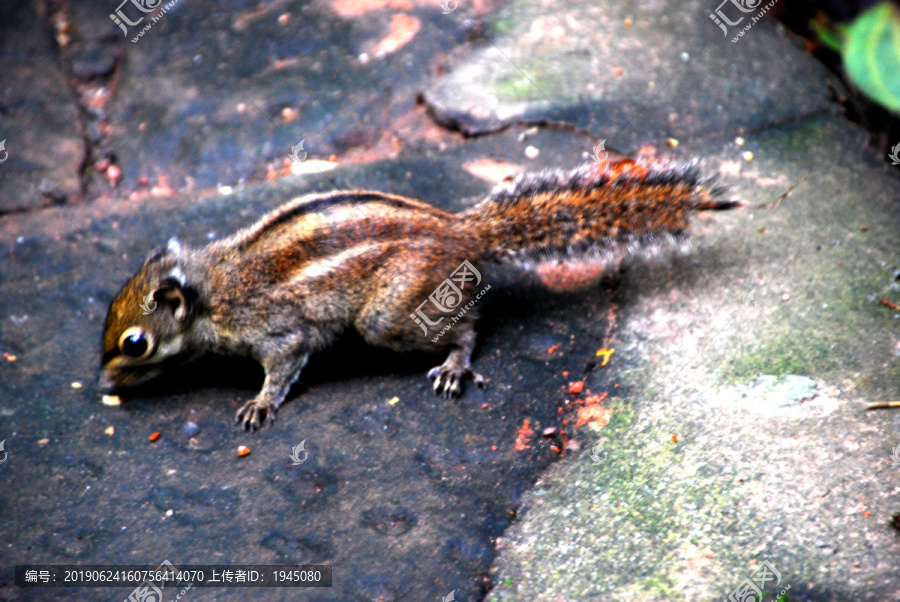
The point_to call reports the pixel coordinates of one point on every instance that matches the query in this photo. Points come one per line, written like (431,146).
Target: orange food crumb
(674,438)
(595,414)
(565,373)
(867,514)
(524,436)
(402,29)
(110,430)
(887,303)
(594,399)
(154,436)
(554,448)
(9,357)
(553,348)
(493,448)
(243,450)
(605,353)
(559,410)
(576,387)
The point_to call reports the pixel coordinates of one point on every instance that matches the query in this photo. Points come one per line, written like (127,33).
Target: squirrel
(400,272)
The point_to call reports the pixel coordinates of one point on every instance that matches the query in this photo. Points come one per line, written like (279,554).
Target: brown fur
(287,286)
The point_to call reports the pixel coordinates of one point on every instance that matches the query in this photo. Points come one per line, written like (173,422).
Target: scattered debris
(524,436)
(605,353)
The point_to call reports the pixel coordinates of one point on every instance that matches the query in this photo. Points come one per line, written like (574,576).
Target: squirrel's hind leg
(449,376)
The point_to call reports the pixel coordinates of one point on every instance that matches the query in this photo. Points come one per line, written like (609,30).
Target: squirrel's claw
(448,380)
(251,413)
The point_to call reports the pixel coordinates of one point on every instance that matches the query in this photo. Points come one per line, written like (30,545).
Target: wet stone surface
(407,496)
(736,433)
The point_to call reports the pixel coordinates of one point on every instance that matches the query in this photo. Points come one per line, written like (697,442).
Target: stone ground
(737,438)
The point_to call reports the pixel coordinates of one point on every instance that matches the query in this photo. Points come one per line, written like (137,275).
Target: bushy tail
(592,218)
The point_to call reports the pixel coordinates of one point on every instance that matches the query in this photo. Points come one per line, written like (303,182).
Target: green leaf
(872,54)
(831,37)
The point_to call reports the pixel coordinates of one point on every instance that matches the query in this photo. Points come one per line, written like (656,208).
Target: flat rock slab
(634,74)
(210,96)
(403,493)
(42,149)
(743,438)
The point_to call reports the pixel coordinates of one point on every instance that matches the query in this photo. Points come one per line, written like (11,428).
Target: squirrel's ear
(175,295)
(173,247)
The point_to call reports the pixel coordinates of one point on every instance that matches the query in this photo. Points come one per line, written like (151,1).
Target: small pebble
(739,141)
(393,401)
(531,152)
(685,57)
(628,22)
(190,429)
(672,143)
(76,385)
(284,18)
(110,430)
(747,155)
(113,173)
(170,512)
(111,400)
(785,297)
(288,114)
(243,450)
(43,441)
(549,431)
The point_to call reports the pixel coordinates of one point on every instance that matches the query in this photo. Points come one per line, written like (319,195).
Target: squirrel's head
(148,320)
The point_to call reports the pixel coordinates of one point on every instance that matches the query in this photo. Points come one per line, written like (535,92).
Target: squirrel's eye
(134,343)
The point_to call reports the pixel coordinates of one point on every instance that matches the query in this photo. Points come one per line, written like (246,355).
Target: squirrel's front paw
(252,413)
(448,379)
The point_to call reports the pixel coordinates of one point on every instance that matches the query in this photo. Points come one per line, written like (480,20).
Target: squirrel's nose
(105,382)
